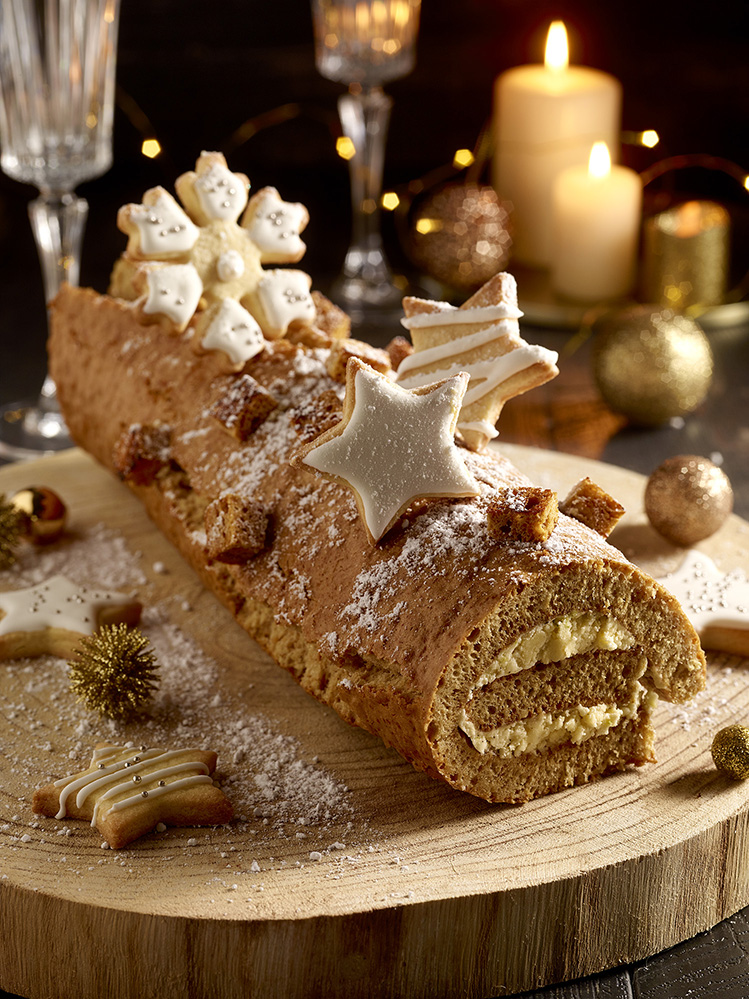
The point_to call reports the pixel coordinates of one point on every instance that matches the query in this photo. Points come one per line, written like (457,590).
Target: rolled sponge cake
(508,669)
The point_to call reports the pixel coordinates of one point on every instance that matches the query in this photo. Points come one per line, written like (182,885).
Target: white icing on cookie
(173,291)
(230,265)
(276,226)
(235,332)
(56,603)
(397,446)
(450,315)
(285,296)
(221,193)
(164,228)
(121,770)
(710,598)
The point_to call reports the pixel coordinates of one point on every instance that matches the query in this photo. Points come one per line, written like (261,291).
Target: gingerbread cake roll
(508,664)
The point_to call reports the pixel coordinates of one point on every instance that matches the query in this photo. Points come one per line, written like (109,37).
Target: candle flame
(557,54)
(599,164)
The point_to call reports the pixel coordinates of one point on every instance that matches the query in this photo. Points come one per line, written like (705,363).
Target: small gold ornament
(42,514)
(461,235)
(651,365)
(10,532)
(687,498)
(114,671)
(730,751)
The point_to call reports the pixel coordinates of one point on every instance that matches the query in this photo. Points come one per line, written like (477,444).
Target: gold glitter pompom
(687,498)
(114,671)
(730,750)
(461,236)
(651,365)
(42,514)
(10,532)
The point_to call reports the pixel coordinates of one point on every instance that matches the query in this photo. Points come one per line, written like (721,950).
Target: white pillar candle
(596,214)
(545,119)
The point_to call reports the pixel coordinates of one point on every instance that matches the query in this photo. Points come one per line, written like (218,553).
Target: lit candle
(595,228)
(546,118)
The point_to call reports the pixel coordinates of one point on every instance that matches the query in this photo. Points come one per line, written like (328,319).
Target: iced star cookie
(716,602)
(52,617)
(168,294)
(482,338)
(212,191)
(228,327)
(158,228)
(125,793)
(392,446)
(274,226)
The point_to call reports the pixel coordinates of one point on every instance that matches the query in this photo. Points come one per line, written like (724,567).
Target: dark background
(193,73)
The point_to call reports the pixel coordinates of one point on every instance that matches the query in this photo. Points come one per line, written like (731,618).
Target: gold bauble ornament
(730,751)
(10,532)
(42,514)
(687,498)
(461,235)
(651,365)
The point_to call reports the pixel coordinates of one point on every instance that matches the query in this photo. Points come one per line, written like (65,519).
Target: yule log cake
(339,500)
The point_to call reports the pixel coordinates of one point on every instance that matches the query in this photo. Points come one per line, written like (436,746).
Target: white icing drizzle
(230,265)
(285,296)
(222,194)
(173,291)
(164,228)
(126,771)
(708,596)
(485,374)
(276,225)
(450,315)
(56,603)
(235,332)
(480,427)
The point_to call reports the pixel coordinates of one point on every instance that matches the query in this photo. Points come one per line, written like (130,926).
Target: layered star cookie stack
(351,517)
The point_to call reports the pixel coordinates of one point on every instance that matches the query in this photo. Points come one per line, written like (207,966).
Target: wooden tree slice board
(344,867)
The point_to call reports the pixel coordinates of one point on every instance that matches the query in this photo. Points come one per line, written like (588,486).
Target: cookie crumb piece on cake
(523,514)
(243,407)
(236,529)
(343,350)
(592,506)
(141,452)
(318,415)
(398,349)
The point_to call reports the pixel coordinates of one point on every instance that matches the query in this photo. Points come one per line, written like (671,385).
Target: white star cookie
(170,291)
(482,338)
(212,192)
(281,298)
(717,603)
(51,617)
(274,225)
(229,327)
(126,792)
(393,446)
(157,228)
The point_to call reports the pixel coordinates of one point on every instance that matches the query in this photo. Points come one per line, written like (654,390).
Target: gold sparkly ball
(687,498)
(730,751)
(461,235)
(651,365)
(42,514)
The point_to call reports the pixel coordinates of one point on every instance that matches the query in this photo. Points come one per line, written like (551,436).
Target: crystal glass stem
(366,279)
(58,220)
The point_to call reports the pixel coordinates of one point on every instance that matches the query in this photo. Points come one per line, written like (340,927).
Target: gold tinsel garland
(114,671)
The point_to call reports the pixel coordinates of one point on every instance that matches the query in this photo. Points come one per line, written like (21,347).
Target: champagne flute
(365,43)
(57,74)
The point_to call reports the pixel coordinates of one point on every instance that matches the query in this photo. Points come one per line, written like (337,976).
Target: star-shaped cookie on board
(392,446)
(51,617)
(127,792)
(480,337)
